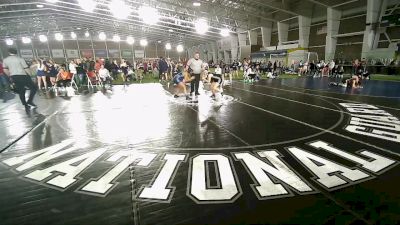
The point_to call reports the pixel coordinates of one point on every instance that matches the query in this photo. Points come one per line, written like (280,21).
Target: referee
(196,67)
(19,71)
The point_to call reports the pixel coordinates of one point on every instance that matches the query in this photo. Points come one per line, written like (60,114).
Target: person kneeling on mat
(216,81)
(180,82)
(250,74)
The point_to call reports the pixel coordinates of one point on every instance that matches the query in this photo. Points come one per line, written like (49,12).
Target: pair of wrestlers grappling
(181,78)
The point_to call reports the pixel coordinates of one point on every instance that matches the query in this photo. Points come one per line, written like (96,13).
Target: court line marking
(291,100)
(35,127)
(27,132)
(322,129)
(322,96)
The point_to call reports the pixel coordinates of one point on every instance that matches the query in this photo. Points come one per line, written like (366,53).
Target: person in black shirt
(235,68)
(81,72)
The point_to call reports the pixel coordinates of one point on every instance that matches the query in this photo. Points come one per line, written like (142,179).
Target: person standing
(72,69)
(194,67)
(4,82)
(163,69)
(16,67)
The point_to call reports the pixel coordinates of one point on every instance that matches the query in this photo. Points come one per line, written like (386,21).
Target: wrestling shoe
(31,105)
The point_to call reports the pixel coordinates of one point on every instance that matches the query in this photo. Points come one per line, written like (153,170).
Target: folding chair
(89,81)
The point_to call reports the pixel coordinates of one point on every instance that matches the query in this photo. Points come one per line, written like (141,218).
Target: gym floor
(252,157)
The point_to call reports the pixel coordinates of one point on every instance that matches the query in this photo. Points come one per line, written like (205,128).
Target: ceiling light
(159,42)
(170,30)
(143,42)
(78,28)
(73,35)
(52,1)
(102,36)
(130,40)
(26,40)
(59,36)
(179,48)
(149,15)
(9,42)
(42,38)
(196,4)
(87,34)
(116,38)
(168,46)
(201,26)
(224,32)
(40,6)
(119,9)
(87,5)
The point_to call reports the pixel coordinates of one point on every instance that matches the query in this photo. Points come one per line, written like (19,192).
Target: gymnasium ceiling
(20,18)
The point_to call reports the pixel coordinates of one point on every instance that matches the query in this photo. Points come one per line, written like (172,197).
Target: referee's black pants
(22,81)
(194,84)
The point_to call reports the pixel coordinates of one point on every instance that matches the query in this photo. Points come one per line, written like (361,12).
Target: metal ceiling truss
(178,15)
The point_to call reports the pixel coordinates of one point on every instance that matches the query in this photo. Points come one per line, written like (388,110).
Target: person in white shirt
(195,67)
(331,66)
(72,69)
(19,71)
(250,74)
(218,70)
(104,75)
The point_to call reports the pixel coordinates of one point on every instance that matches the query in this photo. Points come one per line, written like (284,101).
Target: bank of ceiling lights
(116,38)
(42,38)
(73,35)
(119,9)
(149,15)
(9,42)
(102,36)
(87,5)
(143,42)
(130,40)
(26,40)
(58,36)
(179,48)
(201,26)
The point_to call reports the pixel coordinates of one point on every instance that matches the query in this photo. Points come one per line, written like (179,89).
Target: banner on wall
(43,53)
(57,53)
(73,54)
(127,54)
(87,53)
(100,53)
(26,53)
(139,54)
(113,53)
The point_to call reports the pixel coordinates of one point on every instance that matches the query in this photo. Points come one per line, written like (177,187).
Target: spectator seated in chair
(63,79)
(105,76)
